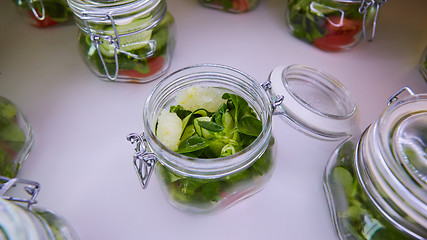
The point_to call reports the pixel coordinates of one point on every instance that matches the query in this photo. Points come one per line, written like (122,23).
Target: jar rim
(383,171)
(213,75)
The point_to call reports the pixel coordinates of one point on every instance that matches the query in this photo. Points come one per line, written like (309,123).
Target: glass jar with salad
(45,13)
(233,6)
(208,130)
(333,25)
(19,219)
(16,138)
(376,183)
(125,41)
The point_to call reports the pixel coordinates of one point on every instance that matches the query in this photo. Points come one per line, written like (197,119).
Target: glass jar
(45,13)
(125,41)
(233,6)
(27,222)
(200,185)
(16,138)
(333,25)
(423,64)
(376,184)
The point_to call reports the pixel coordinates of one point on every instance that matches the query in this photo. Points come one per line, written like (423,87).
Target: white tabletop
(84,163)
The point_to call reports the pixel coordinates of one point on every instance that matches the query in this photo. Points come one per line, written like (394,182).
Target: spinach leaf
(191,144)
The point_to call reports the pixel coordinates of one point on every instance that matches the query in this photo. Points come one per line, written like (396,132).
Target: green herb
(222,133)
(359,217)
(12,139)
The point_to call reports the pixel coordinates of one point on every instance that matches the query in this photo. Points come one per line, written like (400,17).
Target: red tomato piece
(155,65)
(46,22)
(340,33)
(333,43)
(240,5)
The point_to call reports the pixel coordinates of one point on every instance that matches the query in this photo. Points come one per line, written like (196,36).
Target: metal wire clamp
(364,9)
(394,97)
(276,100)
(99,39)
(31,187)
(143,161)
(36,14)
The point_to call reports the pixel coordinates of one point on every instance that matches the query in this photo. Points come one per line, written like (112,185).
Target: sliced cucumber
(129,42)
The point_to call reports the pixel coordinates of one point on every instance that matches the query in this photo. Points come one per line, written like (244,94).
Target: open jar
(376,184)
(16,138)
(125,41)
(45,13)
(314,102)
(233,6)
(333,25)
(18,221)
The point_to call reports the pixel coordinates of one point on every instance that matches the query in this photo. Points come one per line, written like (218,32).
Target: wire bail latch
(143,161)
(98,39)
(31,187)
(364,9)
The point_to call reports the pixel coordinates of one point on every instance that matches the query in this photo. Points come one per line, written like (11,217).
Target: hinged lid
(314,102)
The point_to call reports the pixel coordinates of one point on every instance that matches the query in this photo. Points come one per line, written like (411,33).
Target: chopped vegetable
(329,25)
(140,55)
(212,134)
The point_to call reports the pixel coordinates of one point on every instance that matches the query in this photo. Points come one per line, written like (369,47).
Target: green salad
(140,55)
(56,11)
(327,24)
(360,217)
(207,133)
(12,139)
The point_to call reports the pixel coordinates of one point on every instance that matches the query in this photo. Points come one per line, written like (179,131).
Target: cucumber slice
(129,42)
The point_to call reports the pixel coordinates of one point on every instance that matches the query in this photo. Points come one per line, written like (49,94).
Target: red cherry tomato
(340,33)
(46,22)
(155,65)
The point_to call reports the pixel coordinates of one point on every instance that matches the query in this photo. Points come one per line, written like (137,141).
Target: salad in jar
(15,139)
(140,55)
(329,25)
(234,6)
(210,123)
(45,13)
(357,215)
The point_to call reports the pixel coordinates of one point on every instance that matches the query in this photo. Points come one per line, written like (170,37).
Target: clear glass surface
(16,138)
(374,183)
(201,185)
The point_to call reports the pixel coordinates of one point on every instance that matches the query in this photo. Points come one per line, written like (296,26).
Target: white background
(84,163)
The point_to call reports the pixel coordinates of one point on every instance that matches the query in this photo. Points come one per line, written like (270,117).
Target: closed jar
(44,13)
(332,25)
(20,219)
(125,41)
(376,183)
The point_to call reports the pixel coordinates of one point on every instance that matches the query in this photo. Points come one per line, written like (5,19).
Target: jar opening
(216,76)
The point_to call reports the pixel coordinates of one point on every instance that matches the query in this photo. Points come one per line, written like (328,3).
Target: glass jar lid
(398,161)
(314,102)
(123,11)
